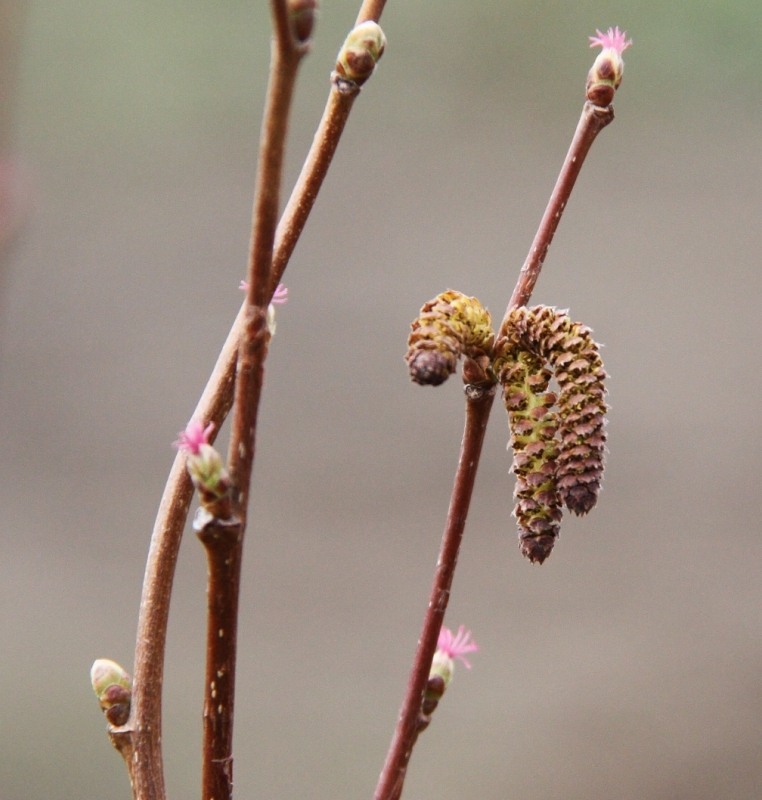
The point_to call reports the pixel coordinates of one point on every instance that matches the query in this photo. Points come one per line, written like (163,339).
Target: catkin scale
(563,462)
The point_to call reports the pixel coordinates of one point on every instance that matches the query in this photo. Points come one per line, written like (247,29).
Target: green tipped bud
(112,685)
(302,15)
(449,326)
(211,479)
(206,469)
(359,54)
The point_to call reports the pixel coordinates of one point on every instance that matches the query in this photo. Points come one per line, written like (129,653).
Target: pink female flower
(193,437)
(606,73)
(613,39)
(456,646)
(280,296)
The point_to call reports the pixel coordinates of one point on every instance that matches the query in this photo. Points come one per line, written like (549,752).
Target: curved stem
(145,765)
(140,739)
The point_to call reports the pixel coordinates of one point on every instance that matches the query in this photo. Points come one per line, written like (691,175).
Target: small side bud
(606,73)
(302,15)
(359,54)
(112,685)
(450,647)
(449,326)
(206,469)
(280,297)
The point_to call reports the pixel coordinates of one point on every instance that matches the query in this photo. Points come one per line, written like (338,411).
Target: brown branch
(370,10)
(213,406)
(144,726)
(478,406)
(223,541)
(140,739)
(593,120)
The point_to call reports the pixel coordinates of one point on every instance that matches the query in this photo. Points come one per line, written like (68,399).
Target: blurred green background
(628,666)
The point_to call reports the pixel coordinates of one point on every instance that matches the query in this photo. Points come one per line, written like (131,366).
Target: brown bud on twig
(112,685)
(449,326)
(301,16)
(359,55)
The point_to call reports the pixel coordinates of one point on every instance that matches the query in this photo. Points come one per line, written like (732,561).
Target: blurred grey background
(628,666)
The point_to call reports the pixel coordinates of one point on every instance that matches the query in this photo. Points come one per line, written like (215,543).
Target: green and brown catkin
(449,326)
(574,357)
(533,424)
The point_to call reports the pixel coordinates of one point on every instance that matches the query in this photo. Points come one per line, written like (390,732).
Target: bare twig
(224,541)
(478,406)
(370,10)
(593,120)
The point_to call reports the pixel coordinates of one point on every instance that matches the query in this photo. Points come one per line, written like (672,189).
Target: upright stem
(593,120)
(223,540)
(370,10)
(478,407)
(393,774)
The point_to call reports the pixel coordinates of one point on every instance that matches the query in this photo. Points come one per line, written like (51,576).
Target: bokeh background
(628,666)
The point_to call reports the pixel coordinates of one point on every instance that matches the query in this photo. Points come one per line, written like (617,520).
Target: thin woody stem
(370,10)
(478,406)
(214,405)
(224,541)
(593,120)
(139,740)
(393,774)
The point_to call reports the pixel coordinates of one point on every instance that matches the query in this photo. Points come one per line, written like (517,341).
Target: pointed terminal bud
(449,326)
(206,468)
(301,16)
(359,55)
(112,685)
(606,73)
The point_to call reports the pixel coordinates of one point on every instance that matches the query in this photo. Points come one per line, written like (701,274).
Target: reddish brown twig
(223,539)
(478,406)
(139,740)
(593,120)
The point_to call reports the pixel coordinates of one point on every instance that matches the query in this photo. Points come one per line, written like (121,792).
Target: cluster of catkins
(558,438)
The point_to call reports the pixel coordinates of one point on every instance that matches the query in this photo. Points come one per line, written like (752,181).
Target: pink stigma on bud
(279,297)
(613,39)
(190,440)
(456,646)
